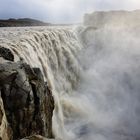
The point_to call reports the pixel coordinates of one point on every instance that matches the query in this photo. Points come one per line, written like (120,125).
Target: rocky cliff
(113,18)
(26,101)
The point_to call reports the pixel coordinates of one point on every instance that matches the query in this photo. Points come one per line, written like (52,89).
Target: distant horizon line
(63,23)
(30,18)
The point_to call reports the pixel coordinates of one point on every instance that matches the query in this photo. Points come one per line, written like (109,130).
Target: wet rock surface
(26,102)
(6,54)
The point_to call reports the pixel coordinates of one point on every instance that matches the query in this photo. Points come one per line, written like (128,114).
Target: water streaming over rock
(94,76)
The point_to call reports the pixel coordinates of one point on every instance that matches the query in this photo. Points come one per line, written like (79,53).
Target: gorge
(73,82)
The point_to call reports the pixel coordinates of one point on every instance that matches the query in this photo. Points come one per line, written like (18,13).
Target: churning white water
(94,75)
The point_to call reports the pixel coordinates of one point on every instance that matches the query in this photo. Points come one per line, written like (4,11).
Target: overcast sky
(61,11)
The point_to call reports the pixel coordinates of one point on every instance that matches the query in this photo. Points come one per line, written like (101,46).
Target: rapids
(94,76)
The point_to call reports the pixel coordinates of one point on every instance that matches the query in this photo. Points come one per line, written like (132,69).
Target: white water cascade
(94,76)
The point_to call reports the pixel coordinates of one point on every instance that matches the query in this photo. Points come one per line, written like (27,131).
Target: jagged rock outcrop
(28,102)
(6,54)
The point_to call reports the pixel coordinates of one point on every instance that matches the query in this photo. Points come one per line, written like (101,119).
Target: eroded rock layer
(28,102)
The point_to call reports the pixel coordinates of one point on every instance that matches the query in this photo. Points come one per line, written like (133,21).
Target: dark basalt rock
(6,54)
(27,99)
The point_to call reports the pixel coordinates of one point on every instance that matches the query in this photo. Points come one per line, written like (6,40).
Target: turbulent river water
(94,74)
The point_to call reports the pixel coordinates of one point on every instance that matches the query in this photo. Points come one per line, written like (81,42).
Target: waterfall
(93,74)
(54,51)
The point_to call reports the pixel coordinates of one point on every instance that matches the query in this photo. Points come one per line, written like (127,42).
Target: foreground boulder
(28,102)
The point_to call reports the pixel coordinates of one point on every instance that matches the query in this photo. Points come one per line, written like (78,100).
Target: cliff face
(113,18)
(26,101)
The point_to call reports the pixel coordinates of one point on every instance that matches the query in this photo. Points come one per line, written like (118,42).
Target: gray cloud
(61,11)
